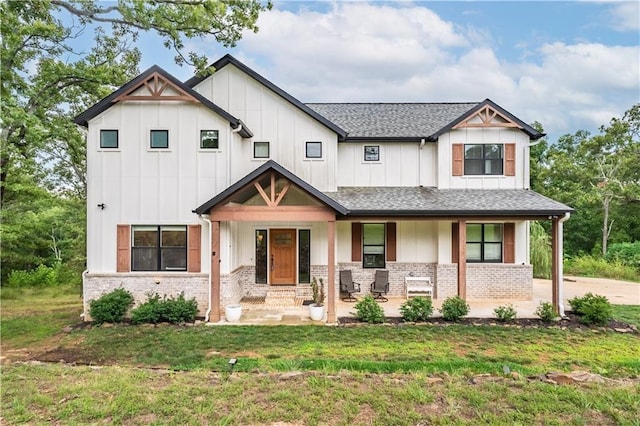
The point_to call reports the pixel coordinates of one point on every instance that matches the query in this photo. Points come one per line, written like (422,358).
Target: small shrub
(111,307)
(592,309)
(454,308)
(368,310)
(318,292)
(179,309)
(173,310)
(416,309)
(505,313)
(147,312)
(42,276)
(546,312)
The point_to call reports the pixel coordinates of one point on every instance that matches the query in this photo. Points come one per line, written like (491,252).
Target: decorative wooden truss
(486,117)
(273,198)
(156,85)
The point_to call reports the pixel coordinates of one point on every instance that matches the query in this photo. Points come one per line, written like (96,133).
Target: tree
(600,177)
(46,81)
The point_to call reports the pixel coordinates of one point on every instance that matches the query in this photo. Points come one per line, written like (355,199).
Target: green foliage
(111,307)
(505,313)
(627,254)
(598,176)
(416,309)
(590,266)
(454,308)
(592,309)
(540,250)
(368,310)
(546,312)
(318,291)
(44,276)
(174,310)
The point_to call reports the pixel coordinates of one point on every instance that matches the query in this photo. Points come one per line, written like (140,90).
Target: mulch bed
(571,322)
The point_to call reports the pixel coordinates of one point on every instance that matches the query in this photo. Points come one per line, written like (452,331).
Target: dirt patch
(570,322)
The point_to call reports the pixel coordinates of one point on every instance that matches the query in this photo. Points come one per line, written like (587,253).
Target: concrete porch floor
(618,292)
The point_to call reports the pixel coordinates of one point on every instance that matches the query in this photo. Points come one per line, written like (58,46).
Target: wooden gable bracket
(156,84)
(487,117)
(274,198)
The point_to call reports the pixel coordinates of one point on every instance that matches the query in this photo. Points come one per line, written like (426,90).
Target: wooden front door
(282,263)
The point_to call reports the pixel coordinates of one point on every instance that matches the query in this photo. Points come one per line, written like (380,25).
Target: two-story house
(227,186)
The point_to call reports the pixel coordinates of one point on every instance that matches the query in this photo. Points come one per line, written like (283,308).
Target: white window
(261,150)
(313,150)
(372,153)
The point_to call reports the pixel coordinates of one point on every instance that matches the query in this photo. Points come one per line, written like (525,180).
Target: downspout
(236,130)
(206,314)
(561,263)
(83,315)
(422,141)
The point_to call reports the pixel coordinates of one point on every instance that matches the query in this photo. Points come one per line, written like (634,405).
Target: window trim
(383,245)
(483,242)
(364,154)
(206,148)
(483,159)
(306,150)
(159,248)
(156,148)
(268,144)
(102,131)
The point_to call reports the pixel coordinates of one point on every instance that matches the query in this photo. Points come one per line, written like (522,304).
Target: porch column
(331,271)
(462,259)
(214,316)
(555,268)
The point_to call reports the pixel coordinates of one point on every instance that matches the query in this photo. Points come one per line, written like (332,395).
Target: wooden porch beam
(555,266)
(462,259)
(331,271)
(214,315)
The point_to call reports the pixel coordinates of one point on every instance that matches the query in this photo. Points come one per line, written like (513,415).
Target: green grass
(360,375)
(57,394)
(589,266)
(627,313)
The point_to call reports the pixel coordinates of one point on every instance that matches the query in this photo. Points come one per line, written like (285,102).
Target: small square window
(261,150)
(313,150)
(108,138)
(372,153)
(209,139)
(159,139)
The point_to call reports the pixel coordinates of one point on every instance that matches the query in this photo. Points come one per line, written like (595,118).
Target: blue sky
(569,65)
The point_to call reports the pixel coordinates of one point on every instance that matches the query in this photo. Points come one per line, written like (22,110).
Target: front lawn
(407,374)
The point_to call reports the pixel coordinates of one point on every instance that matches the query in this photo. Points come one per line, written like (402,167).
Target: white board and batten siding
(495,135)
(400,164)
(272,119)
(141,185)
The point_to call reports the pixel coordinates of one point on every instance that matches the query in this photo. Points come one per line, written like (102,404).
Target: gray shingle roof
(399,120)
(422,201)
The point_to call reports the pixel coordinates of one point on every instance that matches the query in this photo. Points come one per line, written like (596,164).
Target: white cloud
(626,16)
(361,52)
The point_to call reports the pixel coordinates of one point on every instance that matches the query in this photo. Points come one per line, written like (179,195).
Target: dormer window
(483,159)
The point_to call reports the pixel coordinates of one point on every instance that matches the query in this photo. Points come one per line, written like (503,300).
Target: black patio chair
(381,285)
(348,286)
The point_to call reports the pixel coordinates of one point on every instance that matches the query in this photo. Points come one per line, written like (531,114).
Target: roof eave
(228,59)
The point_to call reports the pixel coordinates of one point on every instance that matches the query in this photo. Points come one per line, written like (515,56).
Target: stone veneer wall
(140,284)
(487,281)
